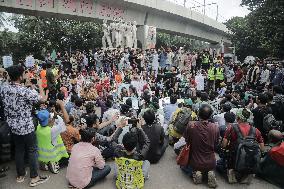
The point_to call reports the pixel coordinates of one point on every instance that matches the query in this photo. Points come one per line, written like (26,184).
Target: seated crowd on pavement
(84,111)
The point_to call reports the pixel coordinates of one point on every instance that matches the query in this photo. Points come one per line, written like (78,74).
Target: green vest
(205,59)
(211,74)
(220,74)
(46,151)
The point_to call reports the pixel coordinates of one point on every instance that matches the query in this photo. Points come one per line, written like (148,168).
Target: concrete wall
(162,14)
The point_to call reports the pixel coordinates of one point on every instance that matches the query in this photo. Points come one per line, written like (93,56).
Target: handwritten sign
(68,5)
(30,61)
(7,61)
(110,12)
(86,7)
(25,3)
(45,4)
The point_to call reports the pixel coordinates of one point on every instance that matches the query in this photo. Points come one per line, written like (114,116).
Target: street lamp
(204,7)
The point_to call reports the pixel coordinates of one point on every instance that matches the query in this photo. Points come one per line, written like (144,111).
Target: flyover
(164,15)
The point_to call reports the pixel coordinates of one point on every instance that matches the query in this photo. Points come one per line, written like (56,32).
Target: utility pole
(204,4)
(217,12)
(184,3)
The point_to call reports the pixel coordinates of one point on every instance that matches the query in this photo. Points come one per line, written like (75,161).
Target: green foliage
(167,40)
(2,19)
(38,35)
(261,33)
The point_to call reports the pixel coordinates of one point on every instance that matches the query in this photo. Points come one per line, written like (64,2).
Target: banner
(7,61)
(151,33)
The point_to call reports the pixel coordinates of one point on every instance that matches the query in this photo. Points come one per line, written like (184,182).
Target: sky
(227,9)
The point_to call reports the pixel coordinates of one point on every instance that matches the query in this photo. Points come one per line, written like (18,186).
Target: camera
(133,121)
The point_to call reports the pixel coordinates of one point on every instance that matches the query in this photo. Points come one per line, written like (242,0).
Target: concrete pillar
(147,35)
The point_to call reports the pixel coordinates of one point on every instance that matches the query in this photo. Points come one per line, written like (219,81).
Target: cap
(188,102)
(43,117)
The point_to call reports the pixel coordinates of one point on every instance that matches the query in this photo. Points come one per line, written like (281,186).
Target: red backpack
(277,154)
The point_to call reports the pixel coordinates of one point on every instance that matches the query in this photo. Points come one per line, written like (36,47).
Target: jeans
(26,143)
(145,169)
(98,174)
(187,170)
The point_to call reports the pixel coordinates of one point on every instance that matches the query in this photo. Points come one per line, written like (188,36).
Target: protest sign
(7,61)
(30,61)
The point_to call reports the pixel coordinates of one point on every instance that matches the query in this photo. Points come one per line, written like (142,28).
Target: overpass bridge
(164,15)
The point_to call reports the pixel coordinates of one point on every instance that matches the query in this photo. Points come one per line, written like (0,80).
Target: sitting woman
(86,164)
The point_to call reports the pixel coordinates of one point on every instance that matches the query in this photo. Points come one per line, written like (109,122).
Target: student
(86,164)
(155,132)
(231,139)
(135,146)
(202,137)
(51,148)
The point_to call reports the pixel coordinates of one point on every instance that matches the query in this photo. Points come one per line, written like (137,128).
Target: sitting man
(86,164)
(234,137)
(202,137)
(51,148)
(180,119)
(135,145)
(155,132)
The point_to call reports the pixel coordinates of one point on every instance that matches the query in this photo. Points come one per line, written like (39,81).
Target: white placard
(199,79)
(30,61)
(7,61)
(135,102)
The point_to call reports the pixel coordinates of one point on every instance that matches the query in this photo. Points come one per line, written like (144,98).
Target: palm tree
(2,19)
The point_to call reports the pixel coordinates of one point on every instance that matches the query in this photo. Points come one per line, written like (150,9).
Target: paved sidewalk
(165,175)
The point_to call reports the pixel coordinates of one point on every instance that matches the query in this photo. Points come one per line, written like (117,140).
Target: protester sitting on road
(77,112)
(86,164)
(219,118)
(156,135)
(51,148)
(70,136)
(170,109)
(135,145)
(180,120)
(232,139)
(202,136)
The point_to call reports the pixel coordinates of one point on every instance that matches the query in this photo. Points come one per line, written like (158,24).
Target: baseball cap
(43,117)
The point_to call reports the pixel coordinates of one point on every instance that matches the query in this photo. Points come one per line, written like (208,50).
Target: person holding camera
(18,101)
(135,145)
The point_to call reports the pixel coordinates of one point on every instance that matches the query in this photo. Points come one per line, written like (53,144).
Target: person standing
(18,102)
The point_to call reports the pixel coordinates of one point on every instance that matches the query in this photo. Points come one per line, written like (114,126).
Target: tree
(2,19)
(261,33)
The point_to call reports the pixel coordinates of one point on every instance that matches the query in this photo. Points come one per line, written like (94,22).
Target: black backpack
(247,151)
(181,121)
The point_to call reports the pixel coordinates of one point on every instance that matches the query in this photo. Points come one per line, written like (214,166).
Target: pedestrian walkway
(164,175)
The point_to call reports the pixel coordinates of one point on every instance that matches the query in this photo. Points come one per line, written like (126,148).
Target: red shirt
(231,135)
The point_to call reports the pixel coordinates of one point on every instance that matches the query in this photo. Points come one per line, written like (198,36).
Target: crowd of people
(79,109)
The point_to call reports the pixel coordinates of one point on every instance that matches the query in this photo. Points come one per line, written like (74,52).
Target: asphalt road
(164,175)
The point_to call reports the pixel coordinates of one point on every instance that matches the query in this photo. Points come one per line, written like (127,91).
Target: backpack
(181,121)
(247,152)
(270,123)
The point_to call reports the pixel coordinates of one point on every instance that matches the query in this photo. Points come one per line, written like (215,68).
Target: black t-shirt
(258,115)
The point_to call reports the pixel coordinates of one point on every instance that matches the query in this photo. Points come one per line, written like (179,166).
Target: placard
(7,61)
(30,61)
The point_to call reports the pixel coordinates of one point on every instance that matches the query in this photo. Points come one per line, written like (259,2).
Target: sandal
(41,180)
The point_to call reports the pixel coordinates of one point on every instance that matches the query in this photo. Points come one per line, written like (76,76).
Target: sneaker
(247,180)
(41,180)
(43,167)
(54,167)
(212,181)
(21,179)
(231,176)
(197,177)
